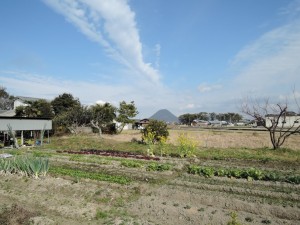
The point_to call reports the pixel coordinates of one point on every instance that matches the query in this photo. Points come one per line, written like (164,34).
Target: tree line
(188,118)
(68,114)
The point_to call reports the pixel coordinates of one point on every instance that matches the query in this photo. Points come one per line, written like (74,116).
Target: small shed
(24,124)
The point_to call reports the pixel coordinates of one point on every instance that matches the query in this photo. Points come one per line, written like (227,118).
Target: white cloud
(157,50)
(271,63)
(147,100)
(292,9)
(189,106)
(204,87)
(111,23)
(100,102)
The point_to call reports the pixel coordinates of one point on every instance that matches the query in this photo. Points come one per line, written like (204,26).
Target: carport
(24,124)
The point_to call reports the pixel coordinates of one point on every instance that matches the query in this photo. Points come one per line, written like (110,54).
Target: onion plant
(26,166)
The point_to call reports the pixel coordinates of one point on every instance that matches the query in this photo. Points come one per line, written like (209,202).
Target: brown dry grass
(217,138)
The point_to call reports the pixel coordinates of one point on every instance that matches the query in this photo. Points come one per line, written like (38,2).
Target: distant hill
(165,115)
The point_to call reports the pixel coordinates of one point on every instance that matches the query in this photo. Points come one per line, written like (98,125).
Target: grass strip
(72,172)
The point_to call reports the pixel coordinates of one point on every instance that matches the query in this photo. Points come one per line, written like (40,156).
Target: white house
(289,119)
(21,101)
(128,126)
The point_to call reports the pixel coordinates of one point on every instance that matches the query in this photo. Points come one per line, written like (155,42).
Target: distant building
(141,124)
(200,123)
(22,101)
(289,119)
(19,101)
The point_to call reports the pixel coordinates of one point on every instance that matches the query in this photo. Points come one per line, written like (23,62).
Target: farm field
(234,177)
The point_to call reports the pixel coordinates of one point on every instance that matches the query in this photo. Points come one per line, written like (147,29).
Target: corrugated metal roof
(24,123)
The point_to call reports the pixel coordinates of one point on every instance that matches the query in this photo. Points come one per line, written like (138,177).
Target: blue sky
(186,56)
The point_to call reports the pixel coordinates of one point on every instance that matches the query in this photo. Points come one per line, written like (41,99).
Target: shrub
(162,146)
(158,129)
(234,220)
(186,146)
(148,138)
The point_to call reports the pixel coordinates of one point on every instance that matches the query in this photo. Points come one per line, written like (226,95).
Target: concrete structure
(287,120)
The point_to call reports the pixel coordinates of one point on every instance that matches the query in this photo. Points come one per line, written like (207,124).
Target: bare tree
(6,100)
(276,118)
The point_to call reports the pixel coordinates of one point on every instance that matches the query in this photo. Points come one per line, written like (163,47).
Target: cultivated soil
(153,197)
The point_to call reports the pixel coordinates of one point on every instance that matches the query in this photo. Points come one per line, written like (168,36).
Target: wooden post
(22,138)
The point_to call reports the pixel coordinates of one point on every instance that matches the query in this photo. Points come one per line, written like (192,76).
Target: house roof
(288,113)
(27,99)
(25,123)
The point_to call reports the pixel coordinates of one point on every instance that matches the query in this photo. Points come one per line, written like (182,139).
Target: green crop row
(76,173)
(28,166)
(158,167)
(131,164)
(89,159)
(246,173)
(149,166)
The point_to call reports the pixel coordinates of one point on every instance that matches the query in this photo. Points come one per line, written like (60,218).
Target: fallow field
(233,177)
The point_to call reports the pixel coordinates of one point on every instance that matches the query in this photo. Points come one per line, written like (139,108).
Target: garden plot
(95,189)
(149,197)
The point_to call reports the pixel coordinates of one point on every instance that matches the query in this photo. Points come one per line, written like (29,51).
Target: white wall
(289,121)
(18,103)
